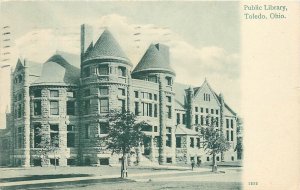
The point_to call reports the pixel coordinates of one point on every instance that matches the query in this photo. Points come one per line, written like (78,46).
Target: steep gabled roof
(106,47)
(153,60)
(205,83)
(57,71)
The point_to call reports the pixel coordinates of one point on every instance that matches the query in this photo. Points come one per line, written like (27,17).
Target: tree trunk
(214,165)
(124,166)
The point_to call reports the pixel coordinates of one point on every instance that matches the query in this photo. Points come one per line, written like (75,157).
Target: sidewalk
(115,176)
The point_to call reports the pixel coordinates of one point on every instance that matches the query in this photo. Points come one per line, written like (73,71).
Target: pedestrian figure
(193,164)
(199,163)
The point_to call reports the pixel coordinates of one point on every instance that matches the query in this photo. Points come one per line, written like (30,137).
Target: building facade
(69,96)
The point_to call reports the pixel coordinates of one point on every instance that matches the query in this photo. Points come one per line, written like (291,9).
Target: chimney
(86,37)
(164,51)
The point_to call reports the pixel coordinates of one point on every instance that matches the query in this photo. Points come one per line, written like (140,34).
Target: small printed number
(253,183)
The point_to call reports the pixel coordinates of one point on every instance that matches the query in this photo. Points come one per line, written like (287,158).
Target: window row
(194,141)
(103,91)
(54,107)
(103,106)
(42,138)
(145,95)
(199,119)
(146,109)
(207,110)
(53,93)
(101,129)
(103,70)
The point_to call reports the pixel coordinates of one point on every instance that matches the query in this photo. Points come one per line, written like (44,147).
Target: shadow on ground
(41,177)
(70,184)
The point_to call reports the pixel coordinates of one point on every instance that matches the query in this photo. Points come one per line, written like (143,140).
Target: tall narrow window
(104,105)
(54,108)
(70,108)
(196,109)
(178,118)
(155,97)
(54,138)
(183,119)
(122,105)
(198,142)
(155,110)
(136,108)
(70,136)
(150,110)
(227,135)
(196,119)
(169,112)
(227,123)
(201,120)
(192,143)
(37,135)
(168,140)
(231,136)
(178,142)
(37,107)
(231,123)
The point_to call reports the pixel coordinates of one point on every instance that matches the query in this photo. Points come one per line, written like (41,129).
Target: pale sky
(204,37)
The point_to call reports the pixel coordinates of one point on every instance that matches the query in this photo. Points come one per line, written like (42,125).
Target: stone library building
(69,96)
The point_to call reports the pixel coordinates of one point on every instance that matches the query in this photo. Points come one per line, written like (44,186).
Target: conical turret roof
(106,47)
(153,60)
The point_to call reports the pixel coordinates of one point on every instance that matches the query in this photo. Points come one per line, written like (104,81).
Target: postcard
(149,95)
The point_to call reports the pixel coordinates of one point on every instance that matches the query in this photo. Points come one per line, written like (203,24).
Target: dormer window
(122,71)
(103,70)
